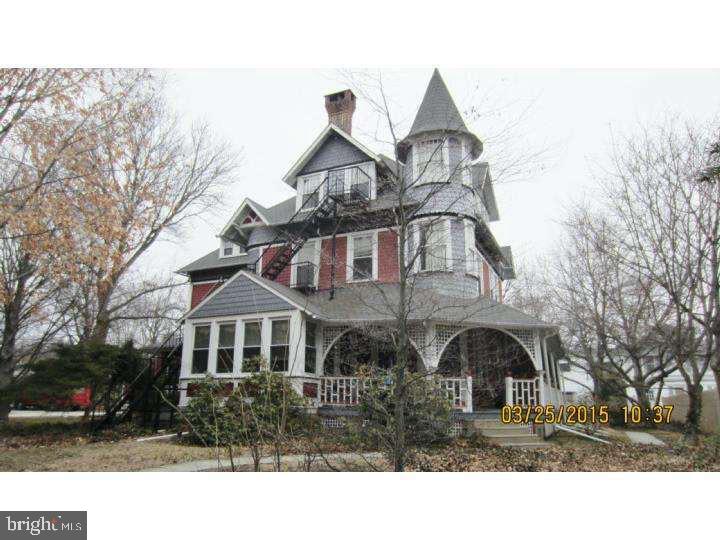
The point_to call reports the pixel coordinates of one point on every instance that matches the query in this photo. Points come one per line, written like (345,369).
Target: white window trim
(214,371)
(301,190)
(238,367)
(209,349)
(316,262)
(235,250)
(351,256)
(472,248)
(290,360)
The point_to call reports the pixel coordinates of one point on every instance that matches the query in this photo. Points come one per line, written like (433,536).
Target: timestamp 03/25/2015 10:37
(583,414)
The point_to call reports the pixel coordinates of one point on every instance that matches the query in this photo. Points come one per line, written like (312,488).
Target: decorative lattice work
(417,334)
(443,334)
(527,338)
(333,423)
(329,334)
(456,429)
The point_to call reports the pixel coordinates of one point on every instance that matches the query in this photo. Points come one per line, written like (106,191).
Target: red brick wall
(340,262)
(284,276)
(200,292)
(486,278)
(388,271)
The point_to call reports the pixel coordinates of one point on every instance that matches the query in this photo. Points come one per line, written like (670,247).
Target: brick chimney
(340,107)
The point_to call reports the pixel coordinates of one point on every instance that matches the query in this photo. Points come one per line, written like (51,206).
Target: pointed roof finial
(438,112)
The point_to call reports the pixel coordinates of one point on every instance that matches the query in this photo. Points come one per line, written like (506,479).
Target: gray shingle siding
(241,296)
(455,285)
(444,198)
(454,157)
(457,245)
(335,152)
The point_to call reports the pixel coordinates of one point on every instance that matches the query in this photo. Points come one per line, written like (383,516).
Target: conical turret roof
(438,112)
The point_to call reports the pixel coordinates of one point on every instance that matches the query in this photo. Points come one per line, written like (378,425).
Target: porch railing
(523,392)
(346,391)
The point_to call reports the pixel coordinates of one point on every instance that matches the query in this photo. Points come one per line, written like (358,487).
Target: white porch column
(541,386)
(469,395)
(509,390)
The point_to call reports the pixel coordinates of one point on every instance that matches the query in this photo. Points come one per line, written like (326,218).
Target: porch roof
(372,302)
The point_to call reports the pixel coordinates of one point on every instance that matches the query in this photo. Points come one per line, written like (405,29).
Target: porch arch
(441,351)
(487,355)
(384,353)
(330,343)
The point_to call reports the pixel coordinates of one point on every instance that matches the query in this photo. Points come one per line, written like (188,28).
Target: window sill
(367,280)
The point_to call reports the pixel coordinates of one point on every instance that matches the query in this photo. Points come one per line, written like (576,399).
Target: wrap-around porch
(478,368)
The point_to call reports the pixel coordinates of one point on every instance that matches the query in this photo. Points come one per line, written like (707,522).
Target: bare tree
(614,319)
(149,177)
(670,232)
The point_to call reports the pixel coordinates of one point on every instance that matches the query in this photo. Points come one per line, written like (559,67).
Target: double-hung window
(362,257)
(311,193)
(310,349)
(252,346)
(432,246)
(201,349)
(431,165)
(280,345)
(226,348)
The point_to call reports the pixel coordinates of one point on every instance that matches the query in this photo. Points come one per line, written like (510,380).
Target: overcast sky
(272,116)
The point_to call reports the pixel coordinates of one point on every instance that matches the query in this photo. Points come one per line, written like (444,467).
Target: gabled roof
(246,293)
(291,176)
(438,112)
(213,260)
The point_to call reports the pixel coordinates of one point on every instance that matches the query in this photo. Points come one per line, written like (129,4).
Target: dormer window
(310,191)
(229,249)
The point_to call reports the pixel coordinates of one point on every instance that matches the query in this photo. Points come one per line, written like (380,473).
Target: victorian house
(309,283)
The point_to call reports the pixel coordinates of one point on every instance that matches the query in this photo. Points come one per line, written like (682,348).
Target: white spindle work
(346,391)
(523,392)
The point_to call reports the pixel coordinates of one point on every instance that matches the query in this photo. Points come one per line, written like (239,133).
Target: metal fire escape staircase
(332,196)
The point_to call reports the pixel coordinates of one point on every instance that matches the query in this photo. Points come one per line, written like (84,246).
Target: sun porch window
(252,346)
(201,349)
(226,348)
(280,345)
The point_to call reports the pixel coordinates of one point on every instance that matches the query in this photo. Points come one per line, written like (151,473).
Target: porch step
(515,435)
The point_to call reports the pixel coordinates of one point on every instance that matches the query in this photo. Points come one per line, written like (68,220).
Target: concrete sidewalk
(245,460)
(641,437)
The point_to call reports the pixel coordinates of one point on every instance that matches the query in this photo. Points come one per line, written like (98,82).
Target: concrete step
(538,444)
(505,430)
(482,424)
(515,440)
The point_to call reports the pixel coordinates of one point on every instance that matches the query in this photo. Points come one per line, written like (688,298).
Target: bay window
(252,346)
(201,349)
(279,345)
(472,254)
(226,348)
